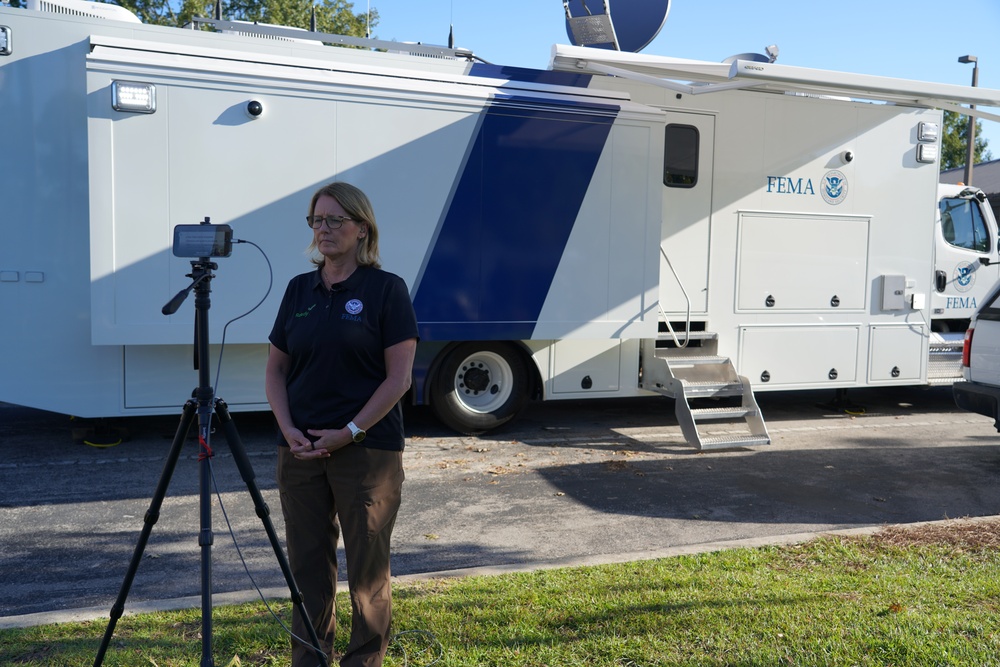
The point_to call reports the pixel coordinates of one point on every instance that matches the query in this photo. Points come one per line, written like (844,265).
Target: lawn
(903,596)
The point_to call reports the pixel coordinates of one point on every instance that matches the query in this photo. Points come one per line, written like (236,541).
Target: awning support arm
(663,83)
(964,111)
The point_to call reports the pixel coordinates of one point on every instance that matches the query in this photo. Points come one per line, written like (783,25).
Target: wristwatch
(357,434)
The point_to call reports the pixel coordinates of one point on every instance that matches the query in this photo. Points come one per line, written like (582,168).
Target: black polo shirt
(336,340)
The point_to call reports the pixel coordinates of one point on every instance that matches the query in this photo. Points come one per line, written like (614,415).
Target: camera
(254,109)
(203,240)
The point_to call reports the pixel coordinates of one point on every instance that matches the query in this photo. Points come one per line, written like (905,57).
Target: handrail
(687,299)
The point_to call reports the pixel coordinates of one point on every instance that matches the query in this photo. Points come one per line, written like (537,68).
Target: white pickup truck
(980,392)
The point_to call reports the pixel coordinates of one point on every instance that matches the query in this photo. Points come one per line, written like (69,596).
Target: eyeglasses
(332,221)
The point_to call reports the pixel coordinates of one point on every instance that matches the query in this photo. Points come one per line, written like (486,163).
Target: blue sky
(910,39)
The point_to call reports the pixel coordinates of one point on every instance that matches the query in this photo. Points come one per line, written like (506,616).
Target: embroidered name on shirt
(305,312)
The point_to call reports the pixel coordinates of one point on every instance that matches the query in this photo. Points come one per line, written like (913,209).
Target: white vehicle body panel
(523,207)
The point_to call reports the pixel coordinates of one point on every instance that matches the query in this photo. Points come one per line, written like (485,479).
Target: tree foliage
(955,142)
(332,16)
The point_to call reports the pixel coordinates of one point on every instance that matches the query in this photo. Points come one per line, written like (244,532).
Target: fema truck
(967,262)
(615,225)
(966,266)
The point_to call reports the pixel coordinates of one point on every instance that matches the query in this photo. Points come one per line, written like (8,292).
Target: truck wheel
(479,386)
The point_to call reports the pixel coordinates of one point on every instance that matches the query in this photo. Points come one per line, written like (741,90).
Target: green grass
(897,598)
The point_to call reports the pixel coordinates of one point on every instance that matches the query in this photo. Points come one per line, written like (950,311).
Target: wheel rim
(483,382)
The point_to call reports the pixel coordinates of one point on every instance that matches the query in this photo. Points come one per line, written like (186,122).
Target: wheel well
(534,378)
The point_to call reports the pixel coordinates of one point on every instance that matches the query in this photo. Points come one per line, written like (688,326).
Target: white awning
(696,77)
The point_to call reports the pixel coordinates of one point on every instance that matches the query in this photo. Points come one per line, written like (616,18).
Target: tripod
(202,404)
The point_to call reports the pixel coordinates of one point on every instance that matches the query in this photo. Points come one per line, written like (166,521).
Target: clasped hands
(329,440)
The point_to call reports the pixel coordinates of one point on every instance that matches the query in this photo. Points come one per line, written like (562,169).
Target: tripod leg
(152,515)
(206,536)
(264,513)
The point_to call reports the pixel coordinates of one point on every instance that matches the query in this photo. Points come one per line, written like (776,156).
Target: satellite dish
(770,57)
(624,25)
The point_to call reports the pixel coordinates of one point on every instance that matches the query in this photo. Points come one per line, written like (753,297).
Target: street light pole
(971,155)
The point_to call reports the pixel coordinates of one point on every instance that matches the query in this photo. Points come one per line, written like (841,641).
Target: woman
(340,360)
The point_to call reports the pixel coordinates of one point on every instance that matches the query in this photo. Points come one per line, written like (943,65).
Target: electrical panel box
(893,292)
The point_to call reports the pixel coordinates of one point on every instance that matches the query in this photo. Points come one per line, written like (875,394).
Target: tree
(332,16)
(955,143)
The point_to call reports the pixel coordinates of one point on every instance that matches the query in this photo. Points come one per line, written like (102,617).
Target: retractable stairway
(715,406)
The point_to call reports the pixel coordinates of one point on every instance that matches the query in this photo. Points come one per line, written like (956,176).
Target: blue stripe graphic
(509,221)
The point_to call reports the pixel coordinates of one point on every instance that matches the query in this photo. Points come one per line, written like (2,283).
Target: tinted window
(680,156)
(962,224)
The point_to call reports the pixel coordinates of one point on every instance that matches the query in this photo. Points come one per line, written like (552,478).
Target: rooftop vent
(97,10)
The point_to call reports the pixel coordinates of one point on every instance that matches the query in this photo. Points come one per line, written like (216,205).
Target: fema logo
(834,187)
(354,306)
(965,276)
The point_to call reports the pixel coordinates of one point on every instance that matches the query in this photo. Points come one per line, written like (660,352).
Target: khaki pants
(356,490)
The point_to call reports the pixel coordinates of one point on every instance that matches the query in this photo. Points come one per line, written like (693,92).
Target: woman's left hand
(330,440)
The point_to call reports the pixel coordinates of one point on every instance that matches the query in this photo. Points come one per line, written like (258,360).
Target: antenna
(771,55)
(621,25)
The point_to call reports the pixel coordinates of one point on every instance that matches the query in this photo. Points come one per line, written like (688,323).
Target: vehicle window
(680,156)
(962,224)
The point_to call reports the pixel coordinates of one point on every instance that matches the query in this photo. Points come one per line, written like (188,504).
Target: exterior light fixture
(971,154)
(927,132)
(927,153)
(133,96)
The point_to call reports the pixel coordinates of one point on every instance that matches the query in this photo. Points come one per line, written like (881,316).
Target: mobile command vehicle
(617,225)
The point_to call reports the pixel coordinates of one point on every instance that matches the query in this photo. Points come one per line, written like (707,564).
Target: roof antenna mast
(451,27)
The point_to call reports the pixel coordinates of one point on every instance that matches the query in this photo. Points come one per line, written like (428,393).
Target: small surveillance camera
(254,109)
(847,156)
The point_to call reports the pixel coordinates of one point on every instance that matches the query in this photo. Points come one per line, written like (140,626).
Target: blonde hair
(358,207)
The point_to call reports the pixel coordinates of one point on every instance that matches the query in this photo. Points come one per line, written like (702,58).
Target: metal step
(693,335)
(692,360)
(698,342)
(944,367)
(733,441)
(712,389)
(701,414)
(688,377)
(948,346)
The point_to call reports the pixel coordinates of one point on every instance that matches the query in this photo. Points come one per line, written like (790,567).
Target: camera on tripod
(203,240)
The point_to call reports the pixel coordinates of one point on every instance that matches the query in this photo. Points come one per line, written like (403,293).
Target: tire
(479,386)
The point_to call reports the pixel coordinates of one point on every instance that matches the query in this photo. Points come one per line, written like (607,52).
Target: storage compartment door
(586,366)
(799,356)
(898,353)
(802,263)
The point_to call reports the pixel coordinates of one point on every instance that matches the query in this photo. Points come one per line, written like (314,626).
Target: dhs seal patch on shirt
(353,308)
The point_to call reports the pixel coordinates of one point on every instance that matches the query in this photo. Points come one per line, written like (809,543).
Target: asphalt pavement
(570,483)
